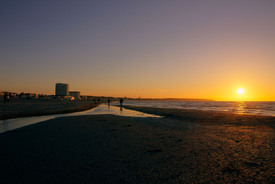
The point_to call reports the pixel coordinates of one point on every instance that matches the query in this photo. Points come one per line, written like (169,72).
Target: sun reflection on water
(240,108)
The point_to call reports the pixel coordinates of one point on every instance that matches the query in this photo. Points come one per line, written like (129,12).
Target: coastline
(20,108)
(198,148)
(260,108)
(207,117)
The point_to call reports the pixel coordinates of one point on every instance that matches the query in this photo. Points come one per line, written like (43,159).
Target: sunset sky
(144,48)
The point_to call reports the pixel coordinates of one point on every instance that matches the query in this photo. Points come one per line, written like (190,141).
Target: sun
(240,91)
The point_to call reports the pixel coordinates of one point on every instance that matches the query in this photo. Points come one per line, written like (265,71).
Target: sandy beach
(17,108)
(137,92)
(208,117)
(181,147)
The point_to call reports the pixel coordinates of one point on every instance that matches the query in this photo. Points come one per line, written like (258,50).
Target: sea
(266,108)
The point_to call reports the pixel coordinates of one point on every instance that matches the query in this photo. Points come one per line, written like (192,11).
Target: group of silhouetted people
(120,101)
(109,101)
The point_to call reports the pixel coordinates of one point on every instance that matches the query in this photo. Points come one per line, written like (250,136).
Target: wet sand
(113,149)
(17,108)
(208,117)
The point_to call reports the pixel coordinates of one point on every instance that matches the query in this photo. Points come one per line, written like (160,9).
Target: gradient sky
(143,48)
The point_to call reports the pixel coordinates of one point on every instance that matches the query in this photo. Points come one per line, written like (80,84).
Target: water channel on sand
(11,124)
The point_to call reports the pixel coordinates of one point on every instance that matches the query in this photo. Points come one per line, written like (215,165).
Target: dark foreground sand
(21,107)
(113,149)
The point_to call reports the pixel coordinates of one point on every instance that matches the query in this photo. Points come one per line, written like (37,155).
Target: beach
(21,107)
(178,148)
(208,117)
(134,92)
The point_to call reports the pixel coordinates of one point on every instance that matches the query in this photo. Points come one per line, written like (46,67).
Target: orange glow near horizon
(184,49)
(219,93)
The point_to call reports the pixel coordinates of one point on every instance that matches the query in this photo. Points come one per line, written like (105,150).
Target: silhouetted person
(8,98)
(109,101)
(5,98)
(95,101)
(121,101)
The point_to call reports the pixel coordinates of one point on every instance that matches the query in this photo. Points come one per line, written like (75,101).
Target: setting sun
(240,91)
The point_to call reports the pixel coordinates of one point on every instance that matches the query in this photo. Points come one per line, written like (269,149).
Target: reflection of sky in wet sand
(105,109)
(11,124)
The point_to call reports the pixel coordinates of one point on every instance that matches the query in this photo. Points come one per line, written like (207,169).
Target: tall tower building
(61,89)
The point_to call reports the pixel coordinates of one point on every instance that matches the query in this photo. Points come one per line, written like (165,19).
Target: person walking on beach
(121,101)
(109,101)
(8,98)
(5,98)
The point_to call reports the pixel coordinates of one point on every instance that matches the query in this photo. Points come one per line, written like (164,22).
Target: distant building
(22,95)
(61,89)
(89,97)
(84,97)
(75,94)
(13,95)
(31,95)
(42,96)
(69,98)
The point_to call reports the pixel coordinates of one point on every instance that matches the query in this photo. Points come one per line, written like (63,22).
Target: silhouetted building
(75,94)
(61,89)
(84,97)
(31,95)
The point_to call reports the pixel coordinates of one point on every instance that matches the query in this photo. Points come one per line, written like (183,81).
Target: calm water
(255,108)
